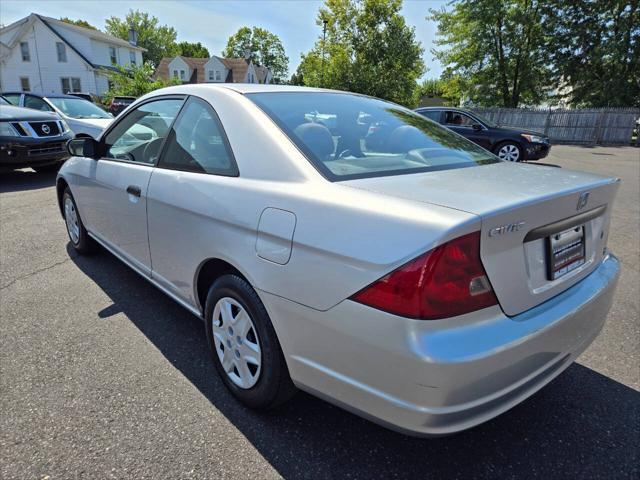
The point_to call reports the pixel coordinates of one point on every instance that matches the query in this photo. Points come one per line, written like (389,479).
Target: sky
(212,22)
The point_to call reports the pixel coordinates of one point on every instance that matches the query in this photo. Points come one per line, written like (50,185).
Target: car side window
(36,103)
(13,98)
(432,114)
(197,143)
(138,136)
(458,119)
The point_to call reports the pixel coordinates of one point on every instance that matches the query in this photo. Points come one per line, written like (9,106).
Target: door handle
(134,190)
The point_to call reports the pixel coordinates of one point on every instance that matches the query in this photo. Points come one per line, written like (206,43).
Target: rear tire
(248,359)
(78,235)
(509,151)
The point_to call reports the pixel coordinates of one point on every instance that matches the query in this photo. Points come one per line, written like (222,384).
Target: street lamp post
(324,36)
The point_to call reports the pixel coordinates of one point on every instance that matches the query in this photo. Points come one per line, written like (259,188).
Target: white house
(44,55)
(212,70)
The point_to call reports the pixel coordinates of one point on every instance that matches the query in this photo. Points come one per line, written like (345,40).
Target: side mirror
(477,127)
(83,147)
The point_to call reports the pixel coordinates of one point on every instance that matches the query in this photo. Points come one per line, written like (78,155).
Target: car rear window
(348,136)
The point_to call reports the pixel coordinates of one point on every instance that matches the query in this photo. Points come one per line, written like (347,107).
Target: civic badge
(45,129)
(582,200)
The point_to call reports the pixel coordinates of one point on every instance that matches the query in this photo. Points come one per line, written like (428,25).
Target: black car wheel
(244,346)
(78,235)
(509,151)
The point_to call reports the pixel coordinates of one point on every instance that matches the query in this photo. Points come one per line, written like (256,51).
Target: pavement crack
(31,274)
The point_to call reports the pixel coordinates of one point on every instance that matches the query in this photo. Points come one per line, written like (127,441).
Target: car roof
(11,112)
(442,107)
(252,88)
(50,95)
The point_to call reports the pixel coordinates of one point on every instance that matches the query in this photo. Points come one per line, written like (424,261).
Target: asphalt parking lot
(103,376)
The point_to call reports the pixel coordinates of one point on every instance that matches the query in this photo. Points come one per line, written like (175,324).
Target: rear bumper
(439,377)
(536,151)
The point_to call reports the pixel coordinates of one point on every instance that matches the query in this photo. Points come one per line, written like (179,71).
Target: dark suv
(29,138)
(510,144)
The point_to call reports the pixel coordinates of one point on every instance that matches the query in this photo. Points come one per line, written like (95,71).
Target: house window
(182,74)
(218,76)
(210,75)
(132,57)
(112,55)
(24,50)
(62,52)
(175,74)
(70,84)
(24,84)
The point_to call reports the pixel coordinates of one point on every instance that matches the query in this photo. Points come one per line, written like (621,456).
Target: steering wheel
(344,153)
(151,150)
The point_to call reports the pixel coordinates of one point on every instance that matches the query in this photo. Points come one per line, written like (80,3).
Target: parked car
(32,139)
(511,144)
(87,96)
(427,285)
(83,117)
(119,103)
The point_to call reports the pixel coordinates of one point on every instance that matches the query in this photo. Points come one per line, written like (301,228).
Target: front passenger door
(463,124)
(114,199)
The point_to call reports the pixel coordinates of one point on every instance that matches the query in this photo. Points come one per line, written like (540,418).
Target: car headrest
(317,138)
(405,138)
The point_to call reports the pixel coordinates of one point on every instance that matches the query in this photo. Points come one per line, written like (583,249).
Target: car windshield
(78,108)
(349,136)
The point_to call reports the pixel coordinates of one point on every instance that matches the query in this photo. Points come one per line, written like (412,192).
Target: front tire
(78,235)
(509,151)
(244,346)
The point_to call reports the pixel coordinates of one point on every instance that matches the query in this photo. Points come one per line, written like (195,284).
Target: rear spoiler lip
(564,224)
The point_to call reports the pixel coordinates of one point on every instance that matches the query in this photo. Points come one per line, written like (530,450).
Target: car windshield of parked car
(78,108)
(349,136)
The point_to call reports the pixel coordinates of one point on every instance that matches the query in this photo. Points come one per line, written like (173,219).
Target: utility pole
(324,36)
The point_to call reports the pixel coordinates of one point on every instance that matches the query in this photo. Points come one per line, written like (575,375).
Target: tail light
(444,282)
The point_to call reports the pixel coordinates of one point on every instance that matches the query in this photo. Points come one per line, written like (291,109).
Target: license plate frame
(565,252)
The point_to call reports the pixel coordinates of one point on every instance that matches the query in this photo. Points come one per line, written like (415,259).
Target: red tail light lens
(444,282)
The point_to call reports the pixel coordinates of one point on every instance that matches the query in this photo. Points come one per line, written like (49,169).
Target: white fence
(589,126)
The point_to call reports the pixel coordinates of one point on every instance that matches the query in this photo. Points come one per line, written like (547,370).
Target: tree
(158,40)
(134,81)
(189,49)
(497,47)
(595,52)
(368,49)
(79,23)
(264,47)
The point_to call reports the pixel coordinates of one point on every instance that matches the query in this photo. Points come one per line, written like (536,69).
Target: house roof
(52,23)
(95,34)
(237,68)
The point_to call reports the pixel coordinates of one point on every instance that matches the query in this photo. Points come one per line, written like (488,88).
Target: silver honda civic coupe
(378,261)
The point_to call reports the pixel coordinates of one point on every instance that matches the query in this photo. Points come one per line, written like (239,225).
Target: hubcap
(509,153)
(71,217)
(236,342)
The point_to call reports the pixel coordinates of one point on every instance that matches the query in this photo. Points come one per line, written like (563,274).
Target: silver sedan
(385,264)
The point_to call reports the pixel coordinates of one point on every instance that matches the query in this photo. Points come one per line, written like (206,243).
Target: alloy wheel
(509,152)
(71,218)
(236,342)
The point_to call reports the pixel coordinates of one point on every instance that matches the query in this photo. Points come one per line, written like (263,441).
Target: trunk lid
(522,207)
